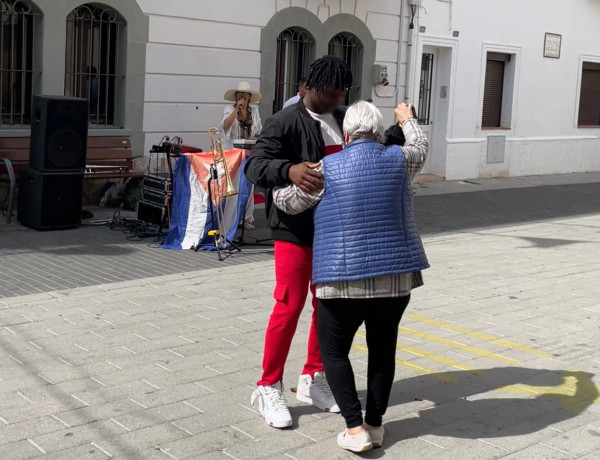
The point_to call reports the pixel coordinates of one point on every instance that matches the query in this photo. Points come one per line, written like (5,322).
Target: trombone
(216,195)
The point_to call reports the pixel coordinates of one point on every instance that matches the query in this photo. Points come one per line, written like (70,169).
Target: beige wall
(198,49)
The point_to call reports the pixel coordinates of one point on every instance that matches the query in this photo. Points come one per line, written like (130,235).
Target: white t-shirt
(291,101)
(329,128)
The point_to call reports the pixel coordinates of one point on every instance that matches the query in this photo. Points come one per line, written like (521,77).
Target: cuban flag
(190,213)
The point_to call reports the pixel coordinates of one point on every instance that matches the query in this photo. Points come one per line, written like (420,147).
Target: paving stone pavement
(498,356)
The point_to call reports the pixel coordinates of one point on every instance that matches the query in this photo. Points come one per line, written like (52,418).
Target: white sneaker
(248,225)
(355,443)
(271,405)
(316,392)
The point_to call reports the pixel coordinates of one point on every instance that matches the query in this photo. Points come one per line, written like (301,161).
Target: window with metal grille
(19,76)
(589,100)
(493,90)
(94,67)
(348,47)
(295,52)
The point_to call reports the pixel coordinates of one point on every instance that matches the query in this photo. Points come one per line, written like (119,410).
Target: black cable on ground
(136,230)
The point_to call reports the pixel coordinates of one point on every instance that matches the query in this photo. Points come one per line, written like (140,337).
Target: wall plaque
(552,44)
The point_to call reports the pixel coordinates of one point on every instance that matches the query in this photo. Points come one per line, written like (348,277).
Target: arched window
(18,76)
(95,62)
(348,47)
(295,52)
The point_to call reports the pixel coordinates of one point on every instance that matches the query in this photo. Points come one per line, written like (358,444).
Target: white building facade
(503,87)
(548,123)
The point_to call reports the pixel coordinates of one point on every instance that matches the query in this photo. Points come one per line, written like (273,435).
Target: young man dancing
(290,141)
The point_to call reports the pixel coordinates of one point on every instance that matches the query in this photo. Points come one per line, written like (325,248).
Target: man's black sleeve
(394,136)
(268,166)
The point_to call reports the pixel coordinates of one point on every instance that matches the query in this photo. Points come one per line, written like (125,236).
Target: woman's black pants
(339,320)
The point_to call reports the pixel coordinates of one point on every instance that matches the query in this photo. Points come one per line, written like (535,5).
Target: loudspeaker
(59,129)
(49,200)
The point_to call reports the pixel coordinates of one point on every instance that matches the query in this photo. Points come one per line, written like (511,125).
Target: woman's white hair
(363,119)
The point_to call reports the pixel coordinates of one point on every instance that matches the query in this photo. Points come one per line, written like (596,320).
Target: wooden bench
(107,158)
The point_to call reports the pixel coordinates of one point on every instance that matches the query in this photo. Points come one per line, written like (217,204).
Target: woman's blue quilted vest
(364,225)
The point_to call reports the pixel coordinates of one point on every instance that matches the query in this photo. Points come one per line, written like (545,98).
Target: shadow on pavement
(539,242)
(542,398)
(455,212)
(83,413)
(86,250)
(445,213)
(92,240)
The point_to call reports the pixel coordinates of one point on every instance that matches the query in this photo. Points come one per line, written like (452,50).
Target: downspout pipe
(400,45)
(410,50)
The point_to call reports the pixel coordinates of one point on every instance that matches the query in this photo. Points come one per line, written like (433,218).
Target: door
(426,105)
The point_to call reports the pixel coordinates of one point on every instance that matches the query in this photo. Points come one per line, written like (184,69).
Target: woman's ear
(346,137)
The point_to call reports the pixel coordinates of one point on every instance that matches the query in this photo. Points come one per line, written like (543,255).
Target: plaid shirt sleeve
(416,147)
(293,200)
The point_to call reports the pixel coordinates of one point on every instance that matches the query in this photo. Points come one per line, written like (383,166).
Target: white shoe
(316,392)
(355,443)
(248,225)
(377,436)
(271,405)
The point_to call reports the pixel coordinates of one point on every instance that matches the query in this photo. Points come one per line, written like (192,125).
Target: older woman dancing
(367,256)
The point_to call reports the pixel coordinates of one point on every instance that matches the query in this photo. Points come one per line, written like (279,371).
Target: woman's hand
(403,112)
(229,119)
(239,106)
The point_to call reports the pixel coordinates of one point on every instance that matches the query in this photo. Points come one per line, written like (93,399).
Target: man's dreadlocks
(326,70)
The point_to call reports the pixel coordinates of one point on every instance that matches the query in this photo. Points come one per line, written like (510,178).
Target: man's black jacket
(290,137)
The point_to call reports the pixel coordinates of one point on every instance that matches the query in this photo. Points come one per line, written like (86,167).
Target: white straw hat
(243,87)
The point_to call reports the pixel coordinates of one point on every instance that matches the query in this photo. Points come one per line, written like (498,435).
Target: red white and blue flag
(190,212)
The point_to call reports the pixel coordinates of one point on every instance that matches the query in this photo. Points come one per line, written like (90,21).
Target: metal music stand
(213,232)
(247,144)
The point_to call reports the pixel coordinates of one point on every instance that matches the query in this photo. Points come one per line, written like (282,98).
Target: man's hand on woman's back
(305,177)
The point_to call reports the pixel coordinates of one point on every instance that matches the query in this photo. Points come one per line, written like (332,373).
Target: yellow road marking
(458,345)
(439,359)
(439,376)
(479,335)
(425,354)
(575,394)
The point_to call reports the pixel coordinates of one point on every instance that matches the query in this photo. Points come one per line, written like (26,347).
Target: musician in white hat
(241,120)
